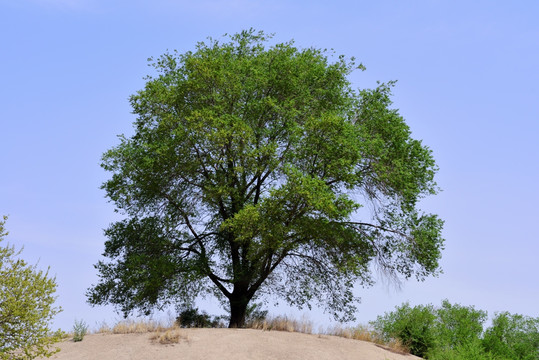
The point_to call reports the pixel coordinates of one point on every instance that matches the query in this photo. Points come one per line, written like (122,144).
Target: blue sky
(467,86)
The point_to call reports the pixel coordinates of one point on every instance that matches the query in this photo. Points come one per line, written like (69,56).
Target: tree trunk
(238,309)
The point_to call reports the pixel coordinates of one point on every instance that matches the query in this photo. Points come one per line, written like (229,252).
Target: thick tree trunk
(238,309)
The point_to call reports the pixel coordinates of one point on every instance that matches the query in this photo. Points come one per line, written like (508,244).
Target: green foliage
(413,326)
(513,336)
(458,325)
(191,318)
(455,332)
(26,307)
(244,178)
(470,350)
(80,328)
(254,313)
(427,330)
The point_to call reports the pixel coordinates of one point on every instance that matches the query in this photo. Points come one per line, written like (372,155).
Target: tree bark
(238,310)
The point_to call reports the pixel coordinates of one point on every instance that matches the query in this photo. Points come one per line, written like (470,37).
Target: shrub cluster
(192,318)
(456,332)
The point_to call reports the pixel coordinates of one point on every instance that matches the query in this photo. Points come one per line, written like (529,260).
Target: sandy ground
(225,344)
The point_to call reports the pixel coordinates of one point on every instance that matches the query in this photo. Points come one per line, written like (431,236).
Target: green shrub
(458,325)
(450,331)
(455,332)
(26,307)
(413,326)
(513,336)
(470,350)
(79,330)
(191,318)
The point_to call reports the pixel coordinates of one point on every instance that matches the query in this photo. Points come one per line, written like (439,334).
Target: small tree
(458,325)
(413,326)
(26,307)
(513,336)
(246,175)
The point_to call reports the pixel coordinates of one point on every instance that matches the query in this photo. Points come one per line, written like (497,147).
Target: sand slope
(225,344)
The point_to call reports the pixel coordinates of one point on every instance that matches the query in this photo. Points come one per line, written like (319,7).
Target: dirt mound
(224,344)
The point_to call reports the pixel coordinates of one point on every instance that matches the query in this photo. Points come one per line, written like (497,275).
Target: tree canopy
(256,169)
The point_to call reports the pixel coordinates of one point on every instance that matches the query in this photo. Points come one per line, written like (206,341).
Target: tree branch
(374,226)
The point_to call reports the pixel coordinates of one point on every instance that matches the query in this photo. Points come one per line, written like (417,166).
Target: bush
(450,331)
(513,336)
(412,326)
(79,330)
(26,307)
(191,318)
(470,350)
(458,325)
(455,332)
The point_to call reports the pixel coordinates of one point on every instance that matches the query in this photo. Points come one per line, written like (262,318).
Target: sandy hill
(224,344)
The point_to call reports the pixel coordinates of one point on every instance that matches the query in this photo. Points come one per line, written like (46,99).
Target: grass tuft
(169,336)
(283,323)
(366,333)
(130,326)
(357,333)
(103,328)
(80,329)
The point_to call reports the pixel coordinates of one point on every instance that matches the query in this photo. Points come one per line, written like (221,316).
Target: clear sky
(468,86)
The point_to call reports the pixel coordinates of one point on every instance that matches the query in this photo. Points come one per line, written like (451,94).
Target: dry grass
(131,326)
(169,336)
(283,323)
(160,332)
(396,346)
(103,328)
(138,327)
(170,333)
(358,333)
(364,333)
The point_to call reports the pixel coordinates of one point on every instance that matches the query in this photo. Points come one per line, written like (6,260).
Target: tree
(414,327)
(26,307)
(458,325)
(513,336)
(257,170)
